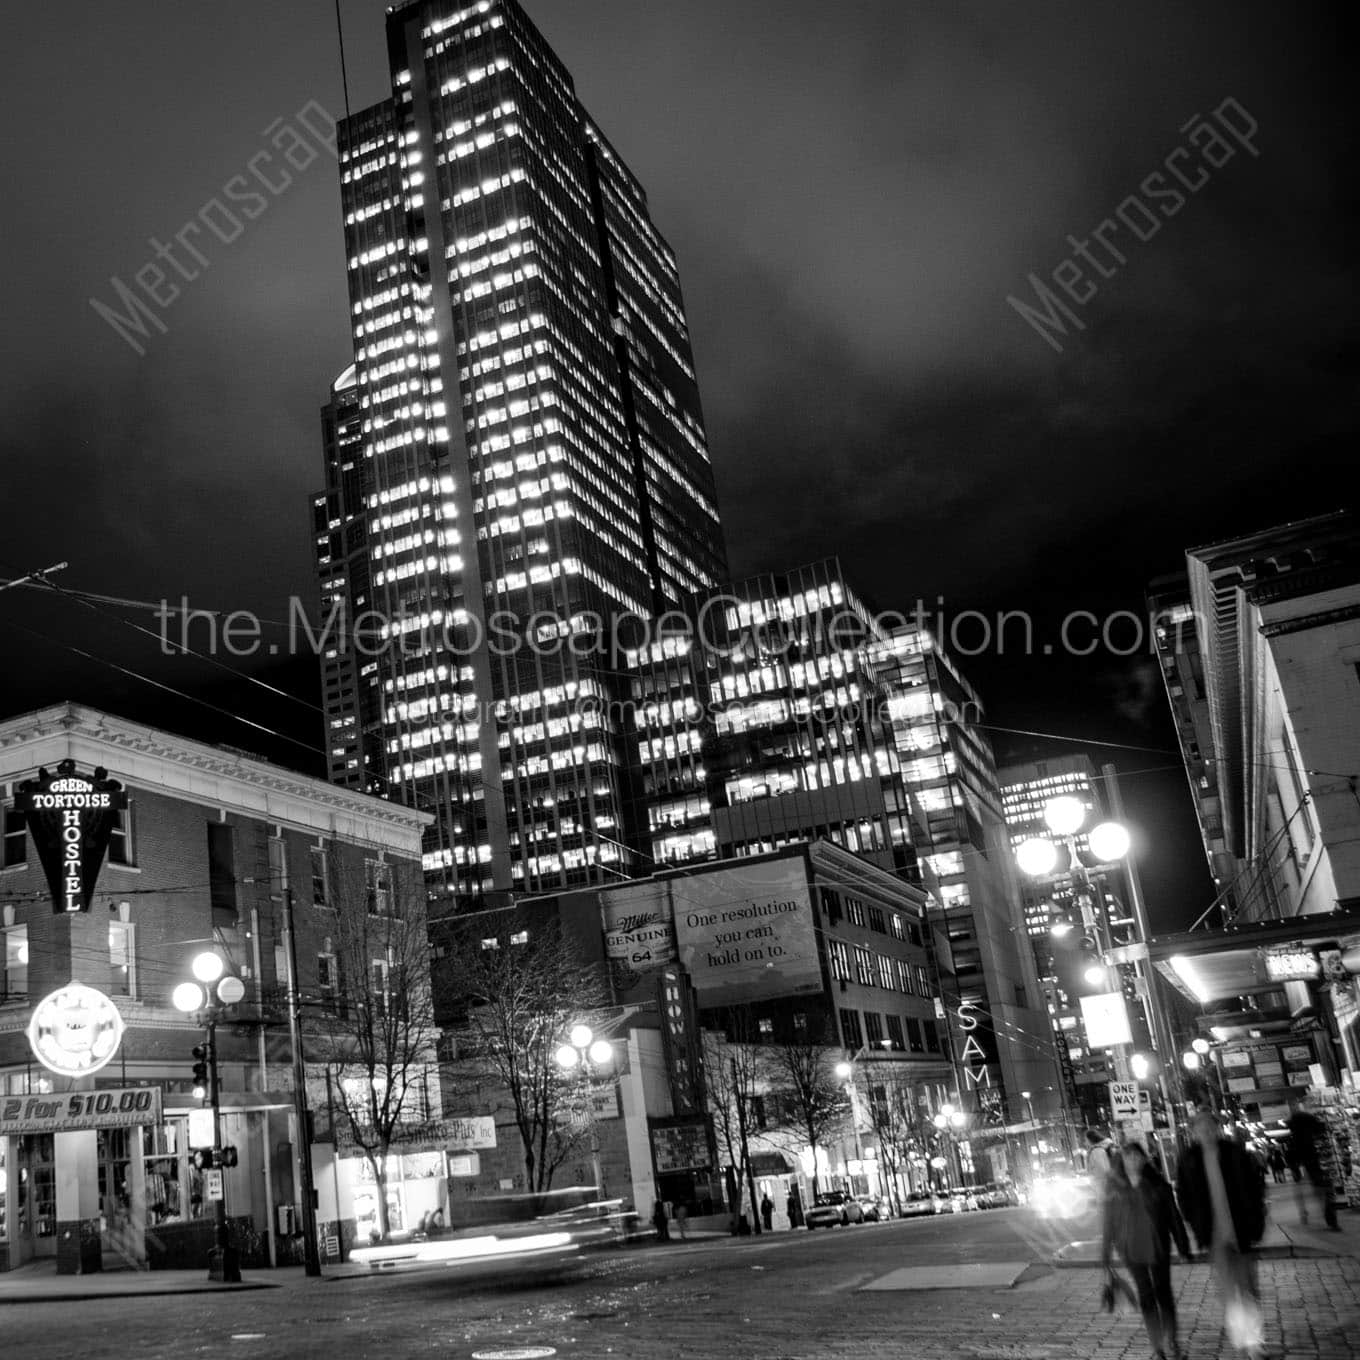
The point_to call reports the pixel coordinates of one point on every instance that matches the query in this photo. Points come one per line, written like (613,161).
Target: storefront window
(174,1189)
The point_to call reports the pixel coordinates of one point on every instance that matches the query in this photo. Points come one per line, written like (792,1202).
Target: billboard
(637,925)
(1106,1019)
(746,934)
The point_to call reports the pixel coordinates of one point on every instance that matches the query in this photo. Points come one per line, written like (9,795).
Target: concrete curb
(79,1294)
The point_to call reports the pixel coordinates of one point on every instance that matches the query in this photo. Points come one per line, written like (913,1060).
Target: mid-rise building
(761,721)
(533,464)
(213,850)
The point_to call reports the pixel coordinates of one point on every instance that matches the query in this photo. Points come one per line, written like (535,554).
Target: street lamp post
(846,1072)
(206,998)
(1041,857)
(583,1052)
(949,1121)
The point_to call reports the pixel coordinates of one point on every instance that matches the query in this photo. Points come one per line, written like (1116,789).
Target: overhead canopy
(769,1164)
(1208,966)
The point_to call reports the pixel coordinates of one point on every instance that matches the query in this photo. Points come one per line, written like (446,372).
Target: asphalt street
(779,1297)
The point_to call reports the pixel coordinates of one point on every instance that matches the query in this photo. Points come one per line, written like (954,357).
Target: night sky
(853,191)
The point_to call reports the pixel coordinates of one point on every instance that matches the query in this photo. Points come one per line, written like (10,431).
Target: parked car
(875,1210)
(964,1200)
(918,1205)
(832,1208)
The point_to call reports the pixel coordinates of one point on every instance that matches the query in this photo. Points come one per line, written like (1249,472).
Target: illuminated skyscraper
(533,461)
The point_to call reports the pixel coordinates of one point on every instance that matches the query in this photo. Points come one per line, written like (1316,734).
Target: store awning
(1215,965)
(769,1164)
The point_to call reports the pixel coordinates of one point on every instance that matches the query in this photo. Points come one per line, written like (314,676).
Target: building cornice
(147,758)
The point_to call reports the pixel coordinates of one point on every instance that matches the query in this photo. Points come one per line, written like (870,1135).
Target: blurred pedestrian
(1312,1148)
(660,1222)
(1278,1168)
(1140,1222)
(1223,1197)
(682,1219)
(767,1211)
(795,1207)
(1101,1156)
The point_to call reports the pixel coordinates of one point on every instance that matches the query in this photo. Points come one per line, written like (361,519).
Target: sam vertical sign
(71,819)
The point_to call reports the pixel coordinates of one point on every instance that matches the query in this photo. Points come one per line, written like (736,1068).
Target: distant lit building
(761,721)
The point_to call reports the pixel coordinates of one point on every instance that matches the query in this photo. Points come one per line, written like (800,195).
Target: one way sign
(1124,1101)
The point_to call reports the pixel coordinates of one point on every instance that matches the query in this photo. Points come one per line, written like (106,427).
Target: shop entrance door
(37,1220)
(118,1237)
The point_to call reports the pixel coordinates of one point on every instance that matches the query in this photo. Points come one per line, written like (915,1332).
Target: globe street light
(585,1053)
(215,990)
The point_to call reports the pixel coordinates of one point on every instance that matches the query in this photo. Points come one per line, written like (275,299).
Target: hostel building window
(379,884)
(852,1037)
(16,838)
(321,888)
(122,958)
(122,840)
(14,980)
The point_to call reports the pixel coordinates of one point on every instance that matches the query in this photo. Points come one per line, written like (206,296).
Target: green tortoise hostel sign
(71,818)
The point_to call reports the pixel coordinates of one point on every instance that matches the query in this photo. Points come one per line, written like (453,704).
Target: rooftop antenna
(340,38)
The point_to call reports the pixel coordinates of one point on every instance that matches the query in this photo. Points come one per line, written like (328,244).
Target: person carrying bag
(1140,1222)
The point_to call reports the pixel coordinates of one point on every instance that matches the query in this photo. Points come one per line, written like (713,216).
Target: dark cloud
(853,191)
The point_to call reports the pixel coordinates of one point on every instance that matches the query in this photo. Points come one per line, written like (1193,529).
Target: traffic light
(200,1071)
(226,1156)
(1090,965)
(203,1159)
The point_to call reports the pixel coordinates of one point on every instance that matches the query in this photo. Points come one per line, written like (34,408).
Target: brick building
(210,849)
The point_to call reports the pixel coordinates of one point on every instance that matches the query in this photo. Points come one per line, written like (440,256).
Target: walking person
(1312,1149)
(660,1222)
(682,1220)
(1141,1221)
(767,1211)
(1223,1197)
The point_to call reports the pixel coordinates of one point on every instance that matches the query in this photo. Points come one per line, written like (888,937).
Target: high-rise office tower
(1003,1042)
(534,466)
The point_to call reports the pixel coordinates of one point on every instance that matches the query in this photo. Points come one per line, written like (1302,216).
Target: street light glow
(1190,1061)
(601,1053)
(208,967)
(1094,975)
(581,1036)
(1201,1046)
(1060,928)
(188,997)
(1037,856)
(567,1057)
(1140,1066)
(843,1070)
(1109,841)
(1064,815)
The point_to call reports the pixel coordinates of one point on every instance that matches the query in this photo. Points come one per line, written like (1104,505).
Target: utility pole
(310,1246)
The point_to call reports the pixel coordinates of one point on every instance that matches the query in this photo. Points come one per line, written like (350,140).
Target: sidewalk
(1285,1237)
(38,1282)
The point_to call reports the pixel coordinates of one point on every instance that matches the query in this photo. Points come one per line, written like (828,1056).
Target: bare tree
(896,1121)
(378,1042)
(520,986)
(732,1071)
(801,1066)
